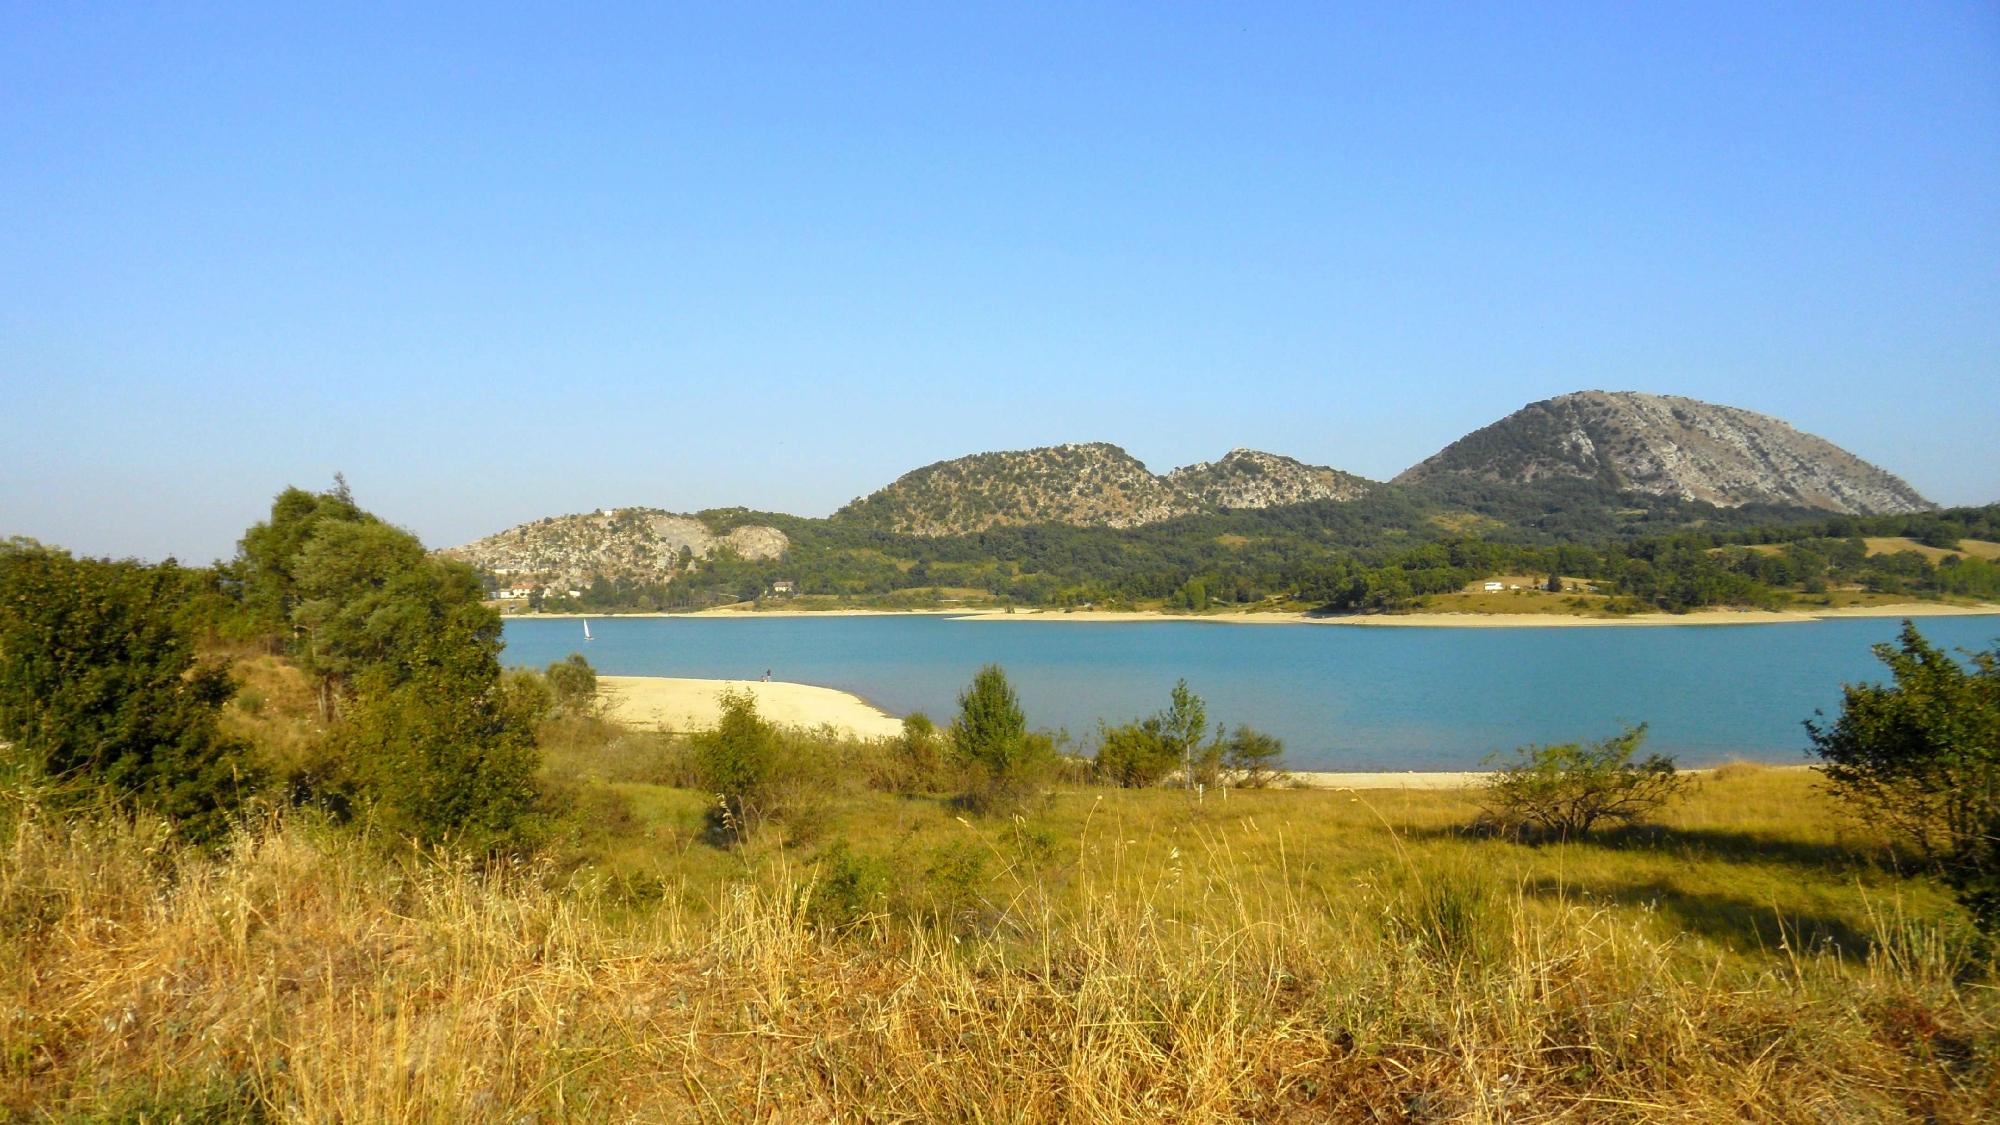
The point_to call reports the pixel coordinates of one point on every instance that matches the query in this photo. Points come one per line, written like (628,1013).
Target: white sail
(586,630)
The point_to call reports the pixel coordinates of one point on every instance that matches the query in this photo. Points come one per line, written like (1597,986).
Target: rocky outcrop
(640,544)
(1247,478)
(1664,445)
(1089,485)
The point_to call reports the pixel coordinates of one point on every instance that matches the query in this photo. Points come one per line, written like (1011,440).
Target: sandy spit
(683,704)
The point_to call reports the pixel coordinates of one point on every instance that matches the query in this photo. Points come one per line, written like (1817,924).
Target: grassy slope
(1114,956)
(1975,548)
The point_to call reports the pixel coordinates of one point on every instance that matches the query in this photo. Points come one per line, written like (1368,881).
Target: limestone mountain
(1247,478)
(1087,485)
(1668,446)
(1093,485)
(640,544)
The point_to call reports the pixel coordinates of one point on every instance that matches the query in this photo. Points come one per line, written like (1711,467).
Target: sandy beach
(1408,779)
(1506,620)
(684,704)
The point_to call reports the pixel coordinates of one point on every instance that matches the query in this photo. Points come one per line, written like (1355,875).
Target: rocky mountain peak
(1666,445)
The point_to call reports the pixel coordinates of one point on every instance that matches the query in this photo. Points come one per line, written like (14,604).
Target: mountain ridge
(1089,484)
(1564,460)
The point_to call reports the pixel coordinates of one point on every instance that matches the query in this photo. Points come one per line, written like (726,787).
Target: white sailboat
(586,630)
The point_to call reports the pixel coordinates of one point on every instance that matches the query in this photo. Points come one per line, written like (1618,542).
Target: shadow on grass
(1714,844)
(1750,847)
(1743,924)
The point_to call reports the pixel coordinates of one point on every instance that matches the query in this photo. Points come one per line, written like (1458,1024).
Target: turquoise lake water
(1341,697)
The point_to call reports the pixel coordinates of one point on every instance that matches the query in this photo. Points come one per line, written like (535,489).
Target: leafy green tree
(1940,534)
(100,689)
(1182,727)
(574,684)
(405,658)
(439,767)
(737,762)
(1565,789)
(1145,752)
(270,550)
(1922,758)
(1254,757)
(991,737)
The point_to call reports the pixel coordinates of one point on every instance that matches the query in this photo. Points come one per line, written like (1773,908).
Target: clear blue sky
(499,264)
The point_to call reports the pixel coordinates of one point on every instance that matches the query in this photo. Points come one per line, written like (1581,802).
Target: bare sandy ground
(681,704)
(1387,780)
(1507,620)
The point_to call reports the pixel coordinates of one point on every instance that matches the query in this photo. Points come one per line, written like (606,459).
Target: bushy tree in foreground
(1134,755)
(424,736)
(574,683)
(1564,789)
(1255,758)
(990,736)
(100,688)
(737,761)
(1922,758)
(1146,752)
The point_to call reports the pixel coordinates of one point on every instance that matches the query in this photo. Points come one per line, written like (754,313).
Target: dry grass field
(1107,956)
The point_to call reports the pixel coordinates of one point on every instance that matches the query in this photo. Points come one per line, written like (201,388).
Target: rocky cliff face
(1664,445)
(1091,485)
(1247,478)
(643,544)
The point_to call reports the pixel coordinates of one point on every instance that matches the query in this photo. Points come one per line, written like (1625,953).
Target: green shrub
(1923,759)
(1565,789)
(990,736)
(849,890)
(1255,758)
(574,684)
(100,690)
(735,761)
(923,764)
(1145,752)
(1134,755)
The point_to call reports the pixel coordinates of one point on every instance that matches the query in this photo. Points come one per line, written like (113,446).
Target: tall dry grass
(307,976)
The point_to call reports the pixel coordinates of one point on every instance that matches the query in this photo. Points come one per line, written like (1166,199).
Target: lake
(1342,697)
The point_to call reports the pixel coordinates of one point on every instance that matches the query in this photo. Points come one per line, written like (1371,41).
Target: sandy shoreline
(1390,779)
(729,612)
(1506,620)
(1368,620)
(686,704)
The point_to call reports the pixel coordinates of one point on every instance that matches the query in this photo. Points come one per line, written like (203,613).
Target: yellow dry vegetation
(1113,956)
(1890,545)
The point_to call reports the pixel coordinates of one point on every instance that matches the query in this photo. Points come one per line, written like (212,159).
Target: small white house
(1493,587)
(784,586)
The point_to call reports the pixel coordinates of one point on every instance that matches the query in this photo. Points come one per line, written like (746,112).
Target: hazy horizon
(494,266)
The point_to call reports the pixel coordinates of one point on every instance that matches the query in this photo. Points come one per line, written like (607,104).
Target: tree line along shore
(1567,550)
